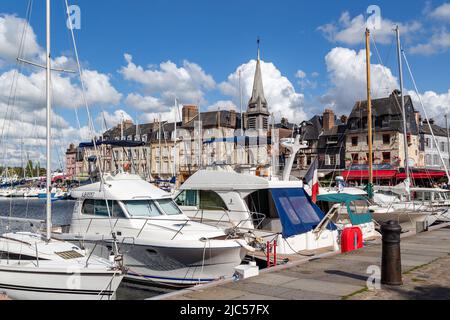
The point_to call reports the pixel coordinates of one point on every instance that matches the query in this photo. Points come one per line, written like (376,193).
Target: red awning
(422,175)
(364,174)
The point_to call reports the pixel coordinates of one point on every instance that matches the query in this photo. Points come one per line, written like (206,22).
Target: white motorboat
(32,268)
(270,209)
(425,205)
(158,241)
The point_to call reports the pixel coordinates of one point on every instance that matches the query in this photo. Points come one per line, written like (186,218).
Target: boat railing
(147,221)
(256,218)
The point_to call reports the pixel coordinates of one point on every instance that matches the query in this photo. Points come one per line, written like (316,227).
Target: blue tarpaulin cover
(114,143)
(298,214)
(348,199)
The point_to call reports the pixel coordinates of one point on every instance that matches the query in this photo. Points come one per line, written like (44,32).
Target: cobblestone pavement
(428,282)
(425,264)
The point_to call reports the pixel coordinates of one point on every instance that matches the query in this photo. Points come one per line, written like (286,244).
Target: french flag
(312,179)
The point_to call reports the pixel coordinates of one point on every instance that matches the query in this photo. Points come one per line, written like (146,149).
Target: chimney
(233,119)
(189,112)
(418,117)
(127,124)
(328,119)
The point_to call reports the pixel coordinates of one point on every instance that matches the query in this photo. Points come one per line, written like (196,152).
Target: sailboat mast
(49,124)
(405,129)
(240,104)
(175,141)
(448,135)
(369,117)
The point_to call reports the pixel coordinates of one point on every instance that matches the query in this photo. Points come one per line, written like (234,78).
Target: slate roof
(437,130)
(388,108)
(210,120)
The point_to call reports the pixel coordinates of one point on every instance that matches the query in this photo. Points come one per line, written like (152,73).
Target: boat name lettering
(88,194)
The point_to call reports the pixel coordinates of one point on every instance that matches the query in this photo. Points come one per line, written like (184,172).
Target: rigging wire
(425,113)
(91,127)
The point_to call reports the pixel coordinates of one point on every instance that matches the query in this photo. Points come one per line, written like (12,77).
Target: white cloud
(439,42)
(168,115)
(300,74)
(11,30)
(113,119)
(347,72)
(22,97)
(188,83)
(350,31)
(281,96)
(304,82)
(435,104)
(223,105)
(30,92)
(441,13)
(145,103)
(26,130)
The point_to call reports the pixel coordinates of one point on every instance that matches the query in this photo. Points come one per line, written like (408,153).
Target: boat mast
(240,104)
(405,129)
(159,146)
(175,141)
(369,117)
(448,135)
(49,124)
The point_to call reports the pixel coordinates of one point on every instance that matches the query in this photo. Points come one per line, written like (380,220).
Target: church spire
(258,48)
(258,100)
(257,111)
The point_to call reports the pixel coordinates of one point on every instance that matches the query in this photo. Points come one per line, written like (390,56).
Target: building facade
(433,151)
(388,133)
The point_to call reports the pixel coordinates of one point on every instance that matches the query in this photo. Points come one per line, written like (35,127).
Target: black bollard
(391,262)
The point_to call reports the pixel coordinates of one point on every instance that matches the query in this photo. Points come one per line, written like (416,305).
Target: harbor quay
(350,276)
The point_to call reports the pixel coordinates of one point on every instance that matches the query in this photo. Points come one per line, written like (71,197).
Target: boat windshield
(169,207)
(142,208)
(151,208)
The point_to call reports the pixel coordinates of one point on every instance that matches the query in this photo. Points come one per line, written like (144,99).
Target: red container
(351,239)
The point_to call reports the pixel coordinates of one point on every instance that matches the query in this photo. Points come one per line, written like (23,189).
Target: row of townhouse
(163,150)
(342,144)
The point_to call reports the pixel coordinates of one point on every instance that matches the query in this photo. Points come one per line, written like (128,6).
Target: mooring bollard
(391,263)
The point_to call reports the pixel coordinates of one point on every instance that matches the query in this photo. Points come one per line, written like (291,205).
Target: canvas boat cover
(348,199)
(297,213)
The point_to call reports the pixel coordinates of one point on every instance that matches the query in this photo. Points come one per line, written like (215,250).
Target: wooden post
(369,117)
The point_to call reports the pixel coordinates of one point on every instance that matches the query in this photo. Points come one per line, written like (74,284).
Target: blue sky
(308,47)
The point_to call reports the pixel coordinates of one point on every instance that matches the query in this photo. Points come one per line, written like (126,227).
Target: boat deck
(3,297)
(330,276)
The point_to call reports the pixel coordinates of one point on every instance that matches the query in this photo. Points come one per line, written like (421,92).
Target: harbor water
(61,215)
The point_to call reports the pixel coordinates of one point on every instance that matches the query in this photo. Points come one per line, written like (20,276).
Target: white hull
(182,265)
(32,268)
(25,281)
